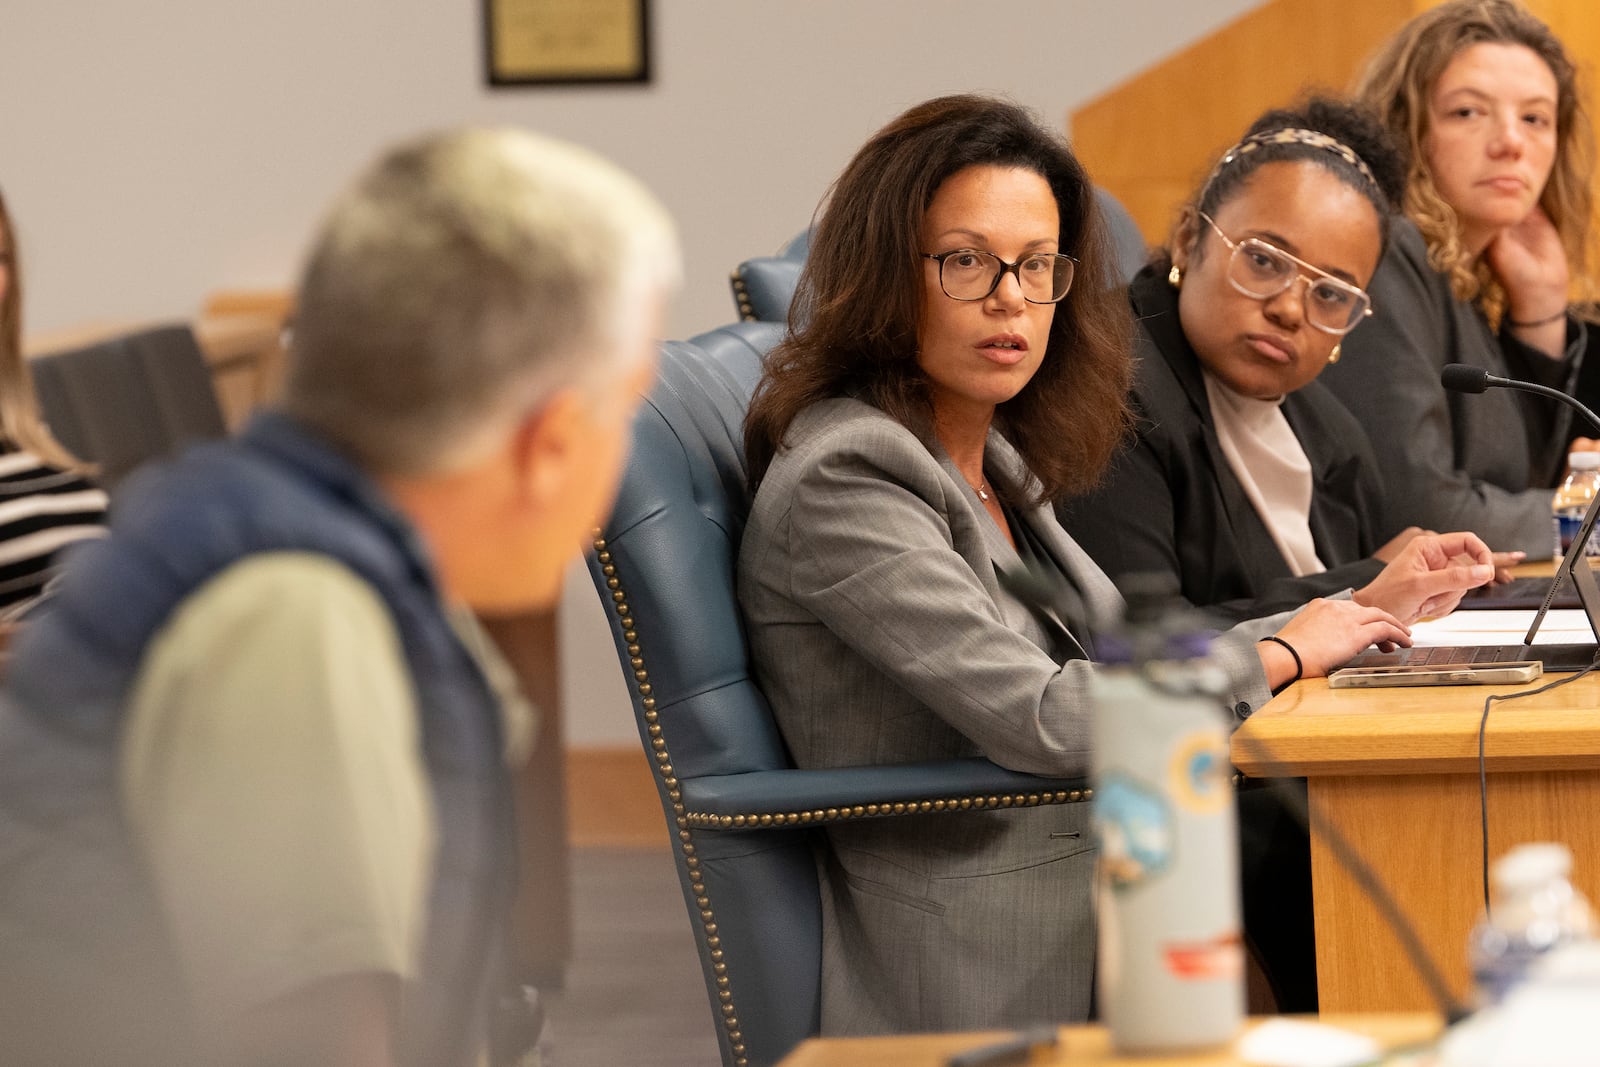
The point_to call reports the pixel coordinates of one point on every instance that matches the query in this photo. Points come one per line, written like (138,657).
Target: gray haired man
(254,798)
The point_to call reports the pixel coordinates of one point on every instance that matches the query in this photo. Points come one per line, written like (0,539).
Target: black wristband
(1547,320)
(1299,668)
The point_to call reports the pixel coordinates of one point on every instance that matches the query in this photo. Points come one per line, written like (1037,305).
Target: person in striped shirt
(48,500)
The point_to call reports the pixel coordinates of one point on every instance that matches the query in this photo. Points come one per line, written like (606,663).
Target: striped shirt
(43,510)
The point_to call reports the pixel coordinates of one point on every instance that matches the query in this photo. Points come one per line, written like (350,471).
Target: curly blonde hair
(1397,85)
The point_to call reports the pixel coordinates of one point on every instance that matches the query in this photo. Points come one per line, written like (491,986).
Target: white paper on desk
(1298,1043)
(1562,626)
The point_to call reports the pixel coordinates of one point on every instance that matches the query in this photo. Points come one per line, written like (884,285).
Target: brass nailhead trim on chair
(706,821)
(685,820)
(741,296)
(681,818)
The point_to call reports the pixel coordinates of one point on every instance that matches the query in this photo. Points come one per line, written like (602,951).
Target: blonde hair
(19,406)
(1397,85)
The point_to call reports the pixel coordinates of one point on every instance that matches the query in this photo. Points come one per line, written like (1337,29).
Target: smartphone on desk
(1427,674)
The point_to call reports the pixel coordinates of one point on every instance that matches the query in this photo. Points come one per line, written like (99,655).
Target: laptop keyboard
(1554,657)
(1445,657)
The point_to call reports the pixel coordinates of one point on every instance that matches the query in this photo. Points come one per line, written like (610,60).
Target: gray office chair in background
(121,402)
(744,822)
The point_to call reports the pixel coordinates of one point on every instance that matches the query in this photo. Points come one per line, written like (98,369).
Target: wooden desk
(1081,1046)
(1397,771)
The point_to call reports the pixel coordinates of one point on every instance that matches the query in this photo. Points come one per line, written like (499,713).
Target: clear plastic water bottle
(1171,956)
(1533,908)
(1572,500)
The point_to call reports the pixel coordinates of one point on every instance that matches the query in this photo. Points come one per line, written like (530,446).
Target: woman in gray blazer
(943,383)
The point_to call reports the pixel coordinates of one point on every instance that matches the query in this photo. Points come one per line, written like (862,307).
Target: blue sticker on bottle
(1135,826)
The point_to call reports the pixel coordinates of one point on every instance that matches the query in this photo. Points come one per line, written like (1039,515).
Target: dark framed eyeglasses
(1260,270)
(968,274)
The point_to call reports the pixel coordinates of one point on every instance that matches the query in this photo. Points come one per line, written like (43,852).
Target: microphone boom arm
(1462,378)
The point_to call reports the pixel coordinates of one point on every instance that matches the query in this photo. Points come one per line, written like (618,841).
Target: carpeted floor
(634,994)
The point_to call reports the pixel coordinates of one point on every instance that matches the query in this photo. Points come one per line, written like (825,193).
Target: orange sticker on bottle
(1219,957)
(1199,772)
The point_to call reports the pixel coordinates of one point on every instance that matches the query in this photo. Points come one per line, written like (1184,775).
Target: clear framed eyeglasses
(1260,270)
(968,274)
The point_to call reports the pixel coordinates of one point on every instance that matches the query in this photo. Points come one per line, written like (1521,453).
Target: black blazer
(1171,505)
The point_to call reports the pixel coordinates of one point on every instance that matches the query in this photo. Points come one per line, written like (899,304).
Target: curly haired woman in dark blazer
(1494,239)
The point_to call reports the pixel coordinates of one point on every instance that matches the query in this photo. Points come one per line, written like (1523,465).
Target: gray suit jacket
(881,633)
(1454,461)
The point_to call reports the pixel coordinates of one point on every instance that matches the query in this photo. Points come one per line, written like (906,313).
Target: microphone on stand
(1460,378)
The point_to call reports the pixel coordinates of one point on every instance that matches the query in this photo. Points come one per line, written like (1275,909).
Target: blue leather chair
(744,822)
(1126,239)
(763,287)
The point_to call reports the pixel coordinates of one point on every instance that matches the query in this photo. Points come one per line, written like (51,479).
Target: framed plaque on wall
(566,42)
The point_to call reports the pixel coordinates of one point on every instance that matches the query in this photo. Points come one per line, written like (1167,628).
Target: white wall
(154,152)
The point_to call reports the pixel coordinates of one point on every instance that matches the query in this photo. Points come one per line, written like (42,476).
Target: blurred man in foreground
(254,801)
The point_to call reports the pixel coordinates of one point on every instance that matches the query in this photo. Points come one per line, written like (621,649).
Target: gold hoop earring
(1175,277)
(1333,357)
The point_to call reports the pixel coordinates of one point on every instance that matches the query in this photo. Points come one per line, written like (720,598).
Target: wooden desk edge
(1312,730)
(1081,1046)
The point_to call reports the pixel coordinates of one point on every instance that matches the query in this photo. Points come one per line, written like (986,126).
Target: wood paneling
(245,353)
(611,799)
(1421,833)
(242,332)
(1396,772)
(542,919)
(1153,139)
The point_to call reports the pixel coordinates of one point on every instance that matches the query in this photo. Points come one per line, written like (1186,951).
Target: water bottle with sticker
(1171,971)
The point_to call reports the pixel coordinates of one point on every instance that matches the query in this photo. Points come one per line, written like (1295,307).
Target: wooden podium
(1396,770)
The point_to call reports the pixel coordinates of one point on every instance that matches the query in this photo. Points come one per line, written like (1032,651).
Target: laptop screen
(1567,572)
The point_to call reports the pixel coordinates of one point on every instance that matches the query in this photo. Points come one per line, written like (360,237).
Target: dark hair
(1352,125)
(853,324)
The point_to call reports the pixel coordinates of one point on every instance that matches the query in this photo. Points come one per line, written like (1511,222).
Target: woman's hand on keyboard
(1326,633)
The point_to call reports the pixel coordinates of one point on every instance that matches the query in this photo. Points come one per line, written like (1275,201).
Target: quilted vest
(87,972)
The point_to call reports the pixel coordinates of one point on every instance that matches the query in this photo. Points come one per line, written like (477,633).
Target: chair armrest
(810,797)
